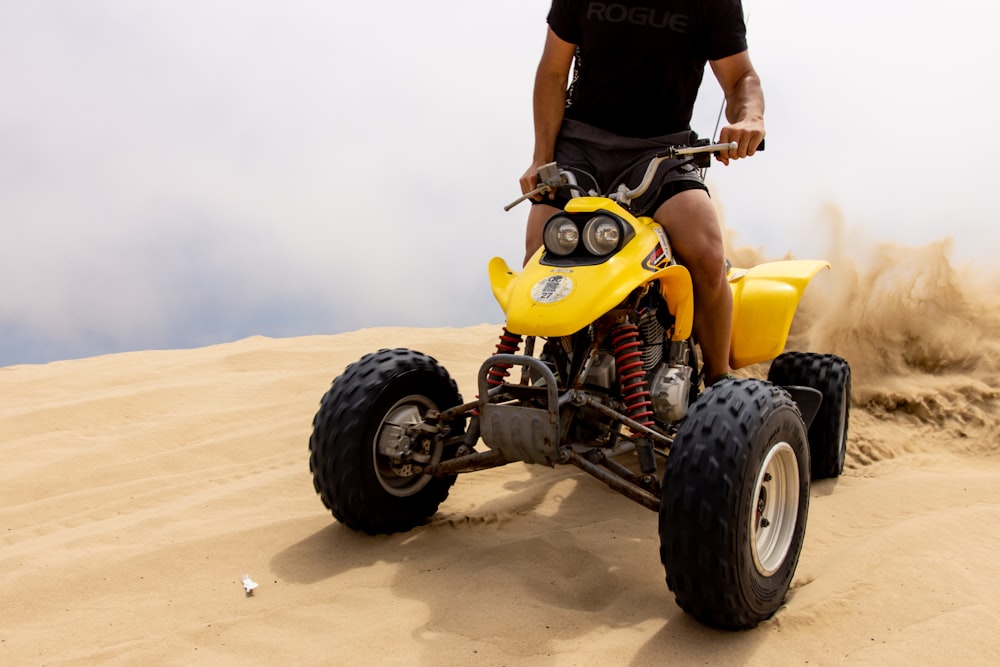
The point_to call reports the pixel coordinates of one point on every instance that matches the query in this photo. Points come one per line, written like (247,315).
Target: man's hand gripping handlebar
(549,177)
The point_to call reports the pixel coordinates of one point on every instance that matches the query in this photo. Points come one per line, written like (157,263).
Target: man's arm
(549,101)
(744,105)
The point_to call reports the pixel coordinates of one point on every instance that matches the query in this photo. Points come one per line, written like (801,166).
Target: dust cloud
(921,333)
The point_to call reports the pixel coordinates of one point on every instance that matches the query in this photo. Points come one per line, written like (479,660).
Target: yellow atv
(599,330)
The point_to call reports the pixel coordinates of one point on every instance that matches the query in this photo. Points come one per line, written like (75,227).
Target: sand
(137,489)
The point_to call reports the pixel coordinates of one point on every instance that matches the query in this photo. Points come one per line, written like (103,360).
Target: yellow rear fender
(765,299)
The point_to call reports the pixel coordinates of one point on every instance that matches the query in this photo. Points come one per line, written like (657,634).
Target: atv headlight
(561,235)
(601,235)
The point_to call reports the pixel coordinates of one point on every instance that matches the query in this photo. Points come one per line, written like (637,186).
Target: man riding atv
(657,54)
(598,362)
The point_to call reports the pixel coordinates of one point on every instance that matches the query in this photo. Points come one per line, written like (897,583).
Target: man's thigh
(692,223)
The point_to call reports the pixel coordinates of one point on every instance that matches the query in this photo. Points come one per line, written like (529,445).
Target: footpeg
(647,460)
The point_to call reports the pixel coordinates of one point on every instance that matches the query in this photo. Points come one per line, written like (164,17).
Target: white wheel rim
(399,480)
(774,509)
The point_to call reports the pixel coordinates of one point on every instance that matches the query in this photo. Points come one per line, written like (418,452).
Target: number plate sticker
(551,289)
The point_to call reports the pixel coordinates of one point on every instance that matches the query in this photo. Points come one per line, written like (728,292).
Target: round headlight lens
(561,236)
(601,235)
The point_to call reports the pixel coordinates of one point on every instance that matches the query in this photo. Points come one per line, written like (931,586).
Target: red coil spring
(509,344)
(631,375)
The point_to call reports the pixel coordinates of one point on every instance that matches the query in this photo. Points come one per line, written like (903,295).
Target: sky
(179,173)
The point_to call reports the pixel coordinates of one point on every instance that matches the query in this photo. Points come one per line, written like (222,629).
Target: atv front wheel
(734,504)
(364,453)
(831,376)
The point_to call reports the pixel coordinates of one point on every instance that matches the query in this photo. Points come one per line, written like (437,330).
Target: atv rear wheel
(831,376)
(362,455)
(735,502)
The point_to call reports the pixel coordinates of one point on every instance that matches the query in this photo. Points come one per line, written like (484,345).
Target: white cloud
(176,171)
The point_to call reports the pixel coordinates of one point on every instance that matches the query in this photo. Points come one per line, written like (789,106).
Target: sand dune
(138,488)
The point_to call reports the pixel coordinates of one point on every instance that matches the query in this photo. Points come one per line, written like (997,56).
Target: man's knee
(706,264)
(692,224)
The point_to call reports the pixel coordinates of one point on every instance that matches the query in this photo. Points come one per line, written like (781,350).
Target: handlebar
(542,189)
(624,195)
(552,177)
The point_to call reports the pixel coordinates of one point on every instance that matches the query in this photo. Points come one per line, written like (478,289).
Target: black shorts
(602,160)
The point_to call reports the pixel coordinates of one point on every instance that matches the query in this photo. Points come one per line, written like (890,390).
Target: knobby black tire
(713,499)
(349,474)
(831,376)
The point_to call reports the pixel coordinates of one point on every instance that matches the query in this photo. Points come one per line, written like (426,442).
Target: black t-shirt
(639,63)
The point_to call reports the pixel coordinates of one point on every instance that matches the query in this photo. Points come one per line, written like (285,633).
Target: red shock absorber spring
(631,374)
(509,344)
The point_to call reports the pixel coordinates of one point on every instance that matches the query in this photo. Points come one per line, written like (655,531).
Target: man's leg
(692,224)
(537,217)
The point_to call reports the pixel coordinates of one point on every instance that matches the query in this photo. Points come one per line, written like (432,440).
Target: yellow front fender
(765,299)
(547,300)
(675,286)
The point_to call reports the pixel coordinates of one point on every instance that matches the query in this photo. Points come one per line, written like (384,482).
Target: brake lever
(550,178)
(542,189)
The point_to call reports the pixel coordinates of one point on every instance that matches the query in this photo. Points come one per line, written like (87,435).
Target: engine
(665,362)
(667,370)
